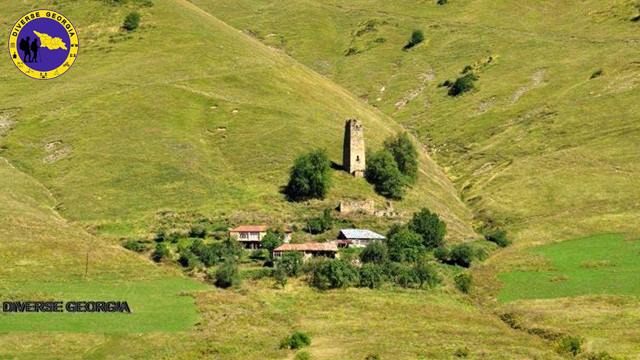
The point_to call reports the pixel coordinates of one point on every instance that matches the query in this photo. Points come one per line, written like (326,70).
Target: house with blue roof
(358,237)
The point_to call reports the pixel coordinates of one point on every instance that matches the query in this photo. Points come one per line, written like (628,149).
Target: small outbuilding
(309,250)
(358,237)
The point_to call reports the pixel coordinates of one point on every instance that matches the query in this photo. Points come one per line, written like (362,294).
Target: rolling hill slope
(187,113)
(547,145)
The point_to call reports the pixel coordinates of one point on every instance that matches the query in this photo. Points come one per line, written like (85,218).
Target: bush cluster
(297,340)
(498,236)
(131,21)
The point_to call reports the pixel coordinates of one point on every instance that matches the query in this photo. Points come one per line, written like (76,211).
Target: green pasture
(156,305)
(596,265)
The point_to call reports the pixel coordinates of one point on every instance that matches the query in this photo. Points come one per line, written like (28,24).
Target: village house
(250,236)
(309,250)
(357,237)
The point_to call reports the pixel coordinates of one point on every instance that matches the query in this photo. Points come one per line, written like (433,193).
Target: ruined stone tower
(353,159)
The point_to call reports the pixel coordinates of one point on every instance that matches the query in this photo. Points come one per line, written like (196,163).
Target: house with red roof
(250,236)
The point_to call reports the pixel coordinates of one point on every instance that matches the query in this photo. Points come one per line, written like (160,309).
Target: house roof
(360,234)
(254,228)
(310,246)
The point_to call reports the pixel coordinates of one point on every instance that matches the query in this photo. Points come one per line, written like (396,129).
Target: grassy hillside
(546,144)
(187,113)
(540,146)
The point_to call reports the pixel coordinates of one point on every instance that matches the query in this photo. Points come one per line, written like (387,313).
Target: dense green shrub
(297,340)
(463,282)
(463,84)
(134,245)
(160,253)
(198,231)
(376,252)
(461,255)
(405,246)
(320,224)
(188,259)
(333,274)
(429,226)
(499,237)
(462,352)
(382,171)
(131,21)
(571,345)
(371,276)
(416,38)
(405,154)
(442,2)
(441,254)
(291,263)
(405,275)
(426,274)
(309,178)
(227,274)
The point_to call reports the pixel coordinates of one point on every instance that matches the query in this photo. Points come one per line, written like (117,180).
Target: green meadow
(156,305)
(597,265)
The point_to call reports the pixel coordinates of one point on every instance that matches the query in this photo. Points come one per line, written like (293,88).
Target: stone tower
(353,159)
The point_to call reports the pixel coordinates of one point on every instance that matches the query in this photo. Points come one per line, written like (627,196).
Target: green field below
(596,265)
(156,305)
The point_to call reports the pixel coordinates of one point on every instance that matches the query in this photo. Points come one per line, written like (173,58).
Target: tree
(309,178)
(333,274)
(405,246)
(430,227)
(405,154)
(461,255)
(371,275)
(161,252)
(376,252)
(382,171)
(426,274)
(131,21)
(280,276)
(416,38)
(271,240)
(463,84)
(291,263)
(227,274)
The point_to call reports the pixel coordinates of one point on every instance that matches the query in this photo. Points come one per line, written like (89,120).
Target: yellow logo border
(73,46)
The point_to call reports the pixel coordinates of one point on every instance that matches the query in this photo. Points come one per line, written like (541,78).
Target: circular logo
(43,44)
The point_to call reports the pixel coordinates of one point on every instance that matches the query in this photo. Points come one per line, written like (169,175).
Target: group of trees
(310,177)
(402,258)
(390,169)
(394,167)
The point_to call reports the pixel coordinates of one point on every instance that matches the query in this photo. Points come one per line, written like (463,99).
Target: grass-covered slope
(187,113)
(546,145)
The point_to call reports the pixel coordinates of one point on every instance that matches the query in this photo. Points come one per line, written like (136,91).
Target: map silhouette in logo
(43,44)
